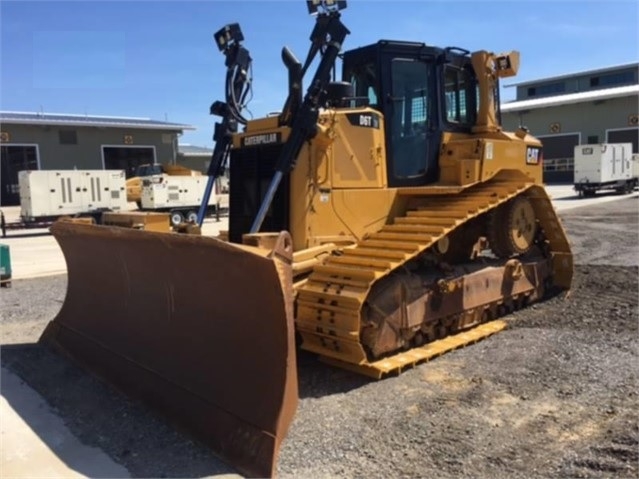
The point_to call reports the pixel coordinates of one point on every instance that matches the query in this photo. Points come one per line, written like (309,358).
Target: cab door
(412,136)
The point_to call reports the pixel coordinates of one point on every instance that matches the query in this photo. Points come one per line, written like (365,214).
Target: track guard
(199,329)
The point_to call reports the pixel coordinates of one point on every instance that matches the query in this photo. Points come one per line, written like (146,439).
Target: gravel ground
(554,395)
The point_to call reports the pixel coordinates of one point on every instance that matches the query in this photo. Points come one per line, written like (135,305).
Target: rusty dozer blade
(200,329)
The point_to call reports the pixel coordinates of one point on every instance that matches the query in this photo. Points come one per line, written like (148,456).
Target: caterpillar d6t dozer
(377,221)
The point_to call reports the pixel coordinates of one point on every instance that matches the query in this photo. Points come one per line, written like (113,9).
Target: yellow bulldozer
(377,221)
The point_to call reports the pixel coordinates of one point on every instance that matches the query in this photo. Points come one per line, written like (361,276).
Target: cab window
(459,95)
(365,83)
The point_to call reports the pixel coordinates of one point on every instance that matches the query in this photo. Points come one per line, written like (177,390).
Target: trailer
(180,196)
(605,166)
(48,195)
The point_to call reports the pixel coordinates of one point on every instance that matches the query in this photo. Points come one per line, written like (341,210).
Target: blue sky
(157,59)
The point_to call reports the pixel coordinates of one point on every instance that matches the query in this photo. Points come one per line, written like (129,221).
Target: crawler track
(331,303)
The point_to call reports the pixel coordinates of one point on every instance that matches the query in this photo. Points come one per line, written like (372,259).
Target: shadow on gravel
(29,417)
(126,430)
(101,417)
(317,379)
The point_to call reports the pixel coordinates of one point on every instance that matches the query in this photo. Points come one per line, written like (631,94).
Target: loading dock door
(559,157)
(127,158)
(627,135)
(15,158)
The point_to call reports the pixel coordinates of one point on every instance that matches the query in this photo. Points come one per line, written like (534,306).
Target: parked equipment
(134,184)
(46,196)
(180,196)
(70,192)
(176,190)
(384,219)
(607,166)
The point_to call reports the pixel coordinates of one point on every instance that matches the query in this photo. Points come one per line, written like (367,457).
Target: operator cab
(422,92)
(148,170)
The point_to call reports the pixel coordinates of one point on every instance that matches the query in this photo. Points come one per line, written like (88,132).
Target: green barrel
(5,265)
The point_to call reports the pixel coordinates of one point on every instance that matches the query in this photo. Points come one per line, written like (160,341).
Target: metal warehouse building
(194,157)
(45,141)
(595,106)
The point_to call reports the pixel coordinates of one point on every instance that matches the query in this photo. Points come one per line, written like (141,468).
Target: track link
(330,302)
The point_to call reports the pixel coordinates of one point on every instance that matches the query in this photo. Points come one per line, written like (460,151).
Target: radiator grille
(251,172)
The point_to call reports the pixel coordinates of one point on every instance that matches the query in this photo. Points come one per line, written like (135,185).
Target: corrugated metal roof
(192,150)
(563,76)
(570,98)
(63,119)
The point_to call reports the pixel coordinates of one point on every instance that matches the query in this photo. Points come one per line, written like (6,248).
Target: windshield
(149,170)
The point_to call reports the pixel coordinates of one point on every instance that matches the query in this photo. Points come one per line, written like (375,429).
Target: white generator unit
(604,166)
(49,194)
(179,195)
